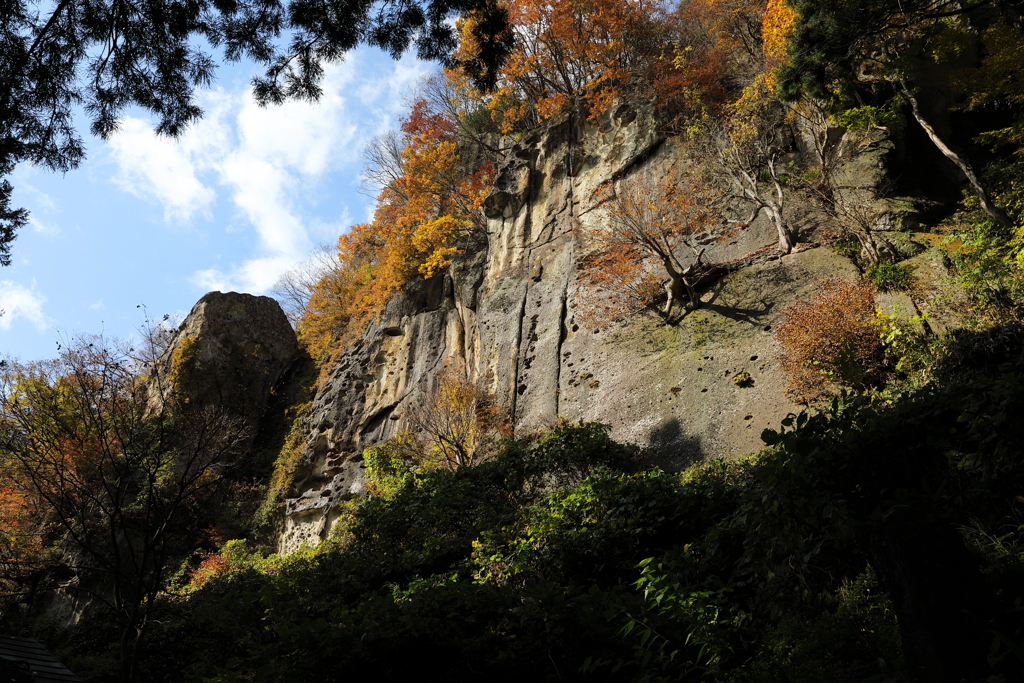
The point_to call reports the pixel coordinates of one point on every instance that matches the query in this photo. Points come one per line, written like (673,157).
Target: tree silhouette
(107,55)
(125,483)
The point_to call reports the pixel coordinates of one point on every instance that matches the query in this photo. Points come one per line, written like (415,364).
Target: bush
(889,277)
(556,560)
(390,465)
(848,248)
(832,339)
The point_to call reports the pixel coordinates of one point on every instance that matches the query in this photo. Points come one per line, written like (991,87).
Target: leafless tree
(863,213)
(666,222)
(382,162)
(748,152)
(293,289)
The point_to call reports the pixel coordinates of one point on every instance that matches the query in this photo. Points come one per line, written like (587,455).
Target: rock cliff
(505,317)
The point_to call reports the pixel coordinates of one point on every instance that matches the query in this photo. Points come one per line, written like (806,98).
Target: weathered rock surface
(234,347)
(505,317)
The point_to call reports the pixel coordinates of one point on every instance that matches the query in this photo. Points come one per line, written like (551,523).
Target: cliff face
(505,317)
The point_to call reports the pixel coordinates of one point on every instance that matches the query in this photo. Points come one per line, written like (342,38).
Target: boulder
(230,351)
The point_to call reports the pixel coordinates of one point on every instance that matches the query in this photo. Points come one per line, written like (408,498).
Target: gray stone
(506,321)
(234,348)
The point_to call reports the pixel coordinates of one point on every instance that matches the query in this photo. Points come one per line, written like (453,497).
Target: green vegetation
(876,537)
(889,277)
(563,558)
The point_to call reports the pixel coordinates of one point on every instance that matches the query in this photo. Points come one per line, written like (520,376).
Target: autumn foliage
(778,25)
(460,420)
(692,61)
(583,54)
(120,484)
(833,339)
(22,551)
(423,217)
(646,254)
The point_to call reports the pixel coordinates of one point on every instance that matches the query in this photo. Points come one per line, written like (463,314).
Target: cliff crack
(563,332)
(515,361)
(563,329)
(637,159)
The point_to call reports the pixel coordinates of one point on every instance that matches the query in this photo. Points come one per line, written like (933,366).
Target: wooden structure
(23,660)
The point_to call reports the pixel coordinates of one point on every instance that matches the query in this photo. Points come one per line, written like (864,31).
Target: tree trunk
(785,237)
(691,293)
(984,199)
(775,208)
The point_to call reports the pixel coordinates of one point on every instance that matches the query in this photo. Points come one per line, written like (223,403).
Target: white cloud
(327,232)
(40,199)
(47,229)
(273,162)
(154,167)
(254,275)
(18,301)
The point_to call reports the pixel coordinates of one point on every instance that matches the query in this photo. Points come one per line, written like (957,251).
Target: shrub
(389,465)
(890,277)
(848,248)
(834,338)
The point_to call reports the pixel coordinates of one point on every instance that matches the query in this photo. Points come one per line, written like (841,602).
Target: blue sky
(244,195)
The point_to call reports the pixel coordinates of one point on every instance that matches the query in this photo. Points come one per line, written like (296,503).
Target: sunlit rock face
(505,317)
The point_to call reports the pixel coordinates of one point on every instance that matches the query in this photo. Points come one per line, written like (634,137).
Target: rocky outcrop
(231,350)
(505,317)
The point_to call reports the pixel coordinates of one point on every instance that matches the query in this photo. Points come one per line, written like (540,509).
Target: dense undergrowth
(565,558)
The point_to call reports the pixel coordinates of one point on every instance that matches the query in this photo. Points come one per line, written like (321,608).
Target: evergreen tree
(105,55)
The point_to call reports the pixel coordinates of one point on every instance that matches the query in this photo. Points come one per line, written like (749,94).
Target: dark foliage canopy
(832,38)
(105,55)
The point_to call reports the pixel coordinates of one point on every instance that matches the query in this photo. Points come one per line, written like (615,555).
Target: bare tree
(749,150)
(293,289)
(383,156)
(382,162)
(654,241)
(984,198)
(475,124)
(863,213)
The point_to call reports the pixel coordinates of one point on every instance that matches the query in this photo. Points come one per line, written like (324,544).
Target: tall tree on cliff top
(106,55)
(842,50)
(568,52)
(428,207)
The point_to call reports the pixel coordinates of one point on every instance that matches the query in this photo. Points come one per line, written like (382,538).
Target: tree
(832,339)
(107,55)
(568,52)
(839,49)
(126,485)
(457,421)
(649,247)
(295,286)
(22,552)
(748,152)
(424,218)
(996,80)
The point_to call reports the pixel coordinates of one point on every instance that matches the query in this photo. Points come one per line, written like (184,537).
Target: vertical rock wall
(505,317)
